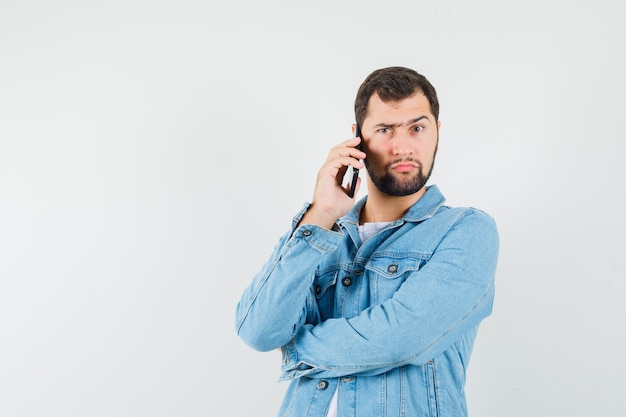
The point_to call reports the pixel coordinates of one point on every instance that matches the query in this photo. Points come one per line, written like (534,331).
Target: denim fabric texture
(390,323)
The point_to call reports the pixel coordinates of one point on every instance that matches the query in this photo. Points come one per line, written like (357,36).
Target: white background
(152,152)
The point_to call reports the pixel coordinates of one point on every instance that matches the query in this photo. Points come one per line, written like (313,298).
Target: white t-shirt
(366,230)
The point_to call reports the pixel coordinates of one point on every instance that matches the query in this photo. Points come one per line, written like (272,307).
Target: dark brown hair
(394,84)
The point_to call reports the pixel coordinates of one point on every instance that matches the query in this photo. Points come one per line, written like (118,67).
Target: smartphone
(355,171)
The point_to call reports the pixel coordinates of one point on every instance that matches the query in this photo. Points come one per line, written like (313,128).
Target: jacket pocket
(388,272)
(430,377)
(323,292)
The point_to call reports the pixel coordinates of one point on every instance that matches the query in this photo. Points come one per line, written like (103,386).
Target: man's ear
(353,128)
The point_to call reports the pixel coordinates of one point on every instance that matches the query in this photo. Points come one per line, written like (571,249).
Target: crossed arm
(434,306)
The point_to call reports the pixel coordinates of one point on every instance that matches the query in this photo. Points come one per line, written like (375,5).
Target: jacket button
(306,232)
(322,384)
(392,269)
(318,290)
(347,281)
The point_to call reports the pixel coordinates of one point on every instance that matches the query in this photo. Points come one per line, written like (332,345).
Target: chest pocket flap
(396,265)
(324,281)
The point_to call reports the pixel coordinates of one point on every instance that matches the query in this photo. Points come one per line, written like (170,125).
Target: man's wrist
(318,217)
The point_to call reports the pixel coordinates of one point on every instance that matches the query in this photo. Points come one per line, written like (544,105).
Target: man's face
(400,139)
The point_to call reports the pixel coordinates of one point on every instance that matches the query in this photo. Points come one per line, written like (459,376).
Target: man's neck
(381,207)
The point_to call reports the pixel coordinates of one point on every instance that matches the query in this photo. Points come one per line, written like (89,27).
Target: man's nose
(402,143)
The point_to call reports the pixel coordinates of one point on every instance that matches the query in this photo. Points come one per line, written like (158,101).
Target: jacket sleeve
(275,305)
(432,309)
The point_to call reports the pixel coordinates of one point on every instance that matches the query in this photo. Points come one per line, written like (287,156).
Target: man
(376,305)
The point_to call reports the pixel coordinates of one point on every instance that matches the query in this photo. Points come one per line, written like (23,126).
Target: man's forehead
(401,111)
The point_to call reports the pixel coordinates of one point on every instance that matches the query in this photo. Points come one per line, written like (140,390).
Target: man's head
(394,84)
(398,110)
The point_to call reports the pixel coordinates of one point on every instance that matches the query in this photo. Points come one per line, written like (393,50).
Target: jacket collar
(423,208)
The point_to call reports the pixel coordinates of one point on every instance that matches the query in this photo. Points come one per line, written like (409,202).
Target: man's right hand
(330,198)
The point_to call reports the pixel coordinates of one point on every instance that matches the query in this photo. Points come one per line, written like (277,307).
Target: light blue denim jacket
(390,323)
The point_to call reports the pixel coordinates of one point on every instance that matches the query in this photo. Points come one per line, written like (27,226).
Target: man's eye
(418,128)
(384,130)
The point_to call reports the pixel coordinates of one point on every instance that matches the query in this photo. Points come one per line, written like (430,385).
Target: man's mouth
(404,166)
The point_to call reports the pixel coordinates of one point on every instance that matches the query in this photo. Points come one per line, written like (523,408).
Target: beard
(397,185)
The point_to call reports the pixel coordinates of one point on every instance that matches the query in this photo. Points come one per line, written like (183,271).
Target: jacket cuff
(322,239)
(291,366)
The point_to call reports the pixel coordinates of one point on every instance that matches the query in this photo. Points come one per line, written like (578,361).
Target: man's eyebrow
(409,122)
(417,119)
